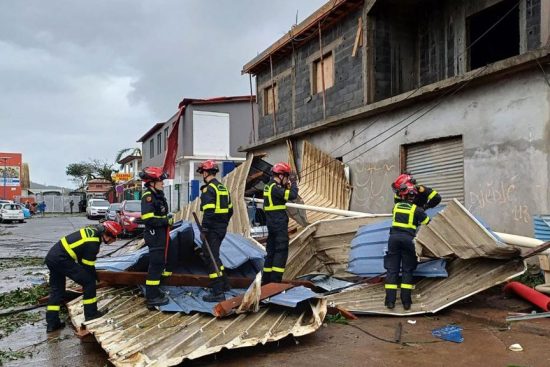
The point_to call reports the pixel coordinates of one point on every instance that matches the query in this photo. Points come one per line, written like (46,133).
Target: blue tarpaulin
(371,243)
(451,333)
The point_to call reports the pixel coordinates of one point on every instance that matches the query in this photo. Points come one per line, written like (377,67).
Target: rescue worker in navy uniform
(401,254)
(155,216)
(425,198)
(217,211)
(277,192)
(74,256)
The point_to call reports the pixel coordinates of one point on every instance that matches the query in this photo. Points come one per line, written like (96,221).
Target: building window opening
(326,72)
(499,43)
(269,93)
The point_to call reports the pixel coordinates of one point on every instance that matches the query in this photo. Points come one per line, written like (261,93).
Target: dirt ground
(486,337)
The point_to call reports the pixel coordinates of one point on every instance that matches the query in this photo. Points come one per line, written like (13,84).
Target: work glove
(170,217)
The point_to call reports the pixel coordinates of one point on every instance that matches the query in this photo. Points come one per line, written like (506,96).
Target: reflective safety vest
(223,200)
(87,235)
(403,216)
(268,199)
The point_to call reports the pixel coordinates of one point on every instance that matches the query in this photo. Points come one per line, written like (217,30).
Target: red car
(128,215)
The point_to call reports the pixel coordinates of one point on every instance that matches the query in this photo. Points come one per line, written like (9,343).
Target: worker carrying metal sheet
(277,192)
(155,216)
(401,254)
(74,256)
(425,198)
(217,211)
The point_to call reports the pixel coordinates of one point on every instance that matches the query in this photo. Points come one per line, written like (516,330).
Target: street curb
(528,326)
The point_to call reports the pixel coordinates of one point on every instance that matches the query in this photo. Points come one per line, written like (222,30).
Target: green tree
(104,170)
(80,173)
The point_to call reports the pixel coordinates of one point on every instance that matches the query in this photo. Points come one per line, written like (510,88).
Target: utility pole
(5,159)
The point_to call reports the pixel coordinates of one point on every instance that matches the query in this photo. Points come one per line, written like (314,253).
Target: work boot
(407,306)
(216,292)
(266,278)
(53,326)
(94,315)
(225,282)
(391,295)
(161,300)
(406,298)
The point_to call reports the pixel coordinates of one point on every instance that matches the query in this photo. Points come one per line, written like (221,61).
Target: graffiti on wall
(502,196)
(371,183)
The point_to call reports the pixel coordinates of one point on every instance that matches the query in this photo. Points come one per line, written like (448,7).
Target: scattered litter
(451,333)
(516,348)
(412,322)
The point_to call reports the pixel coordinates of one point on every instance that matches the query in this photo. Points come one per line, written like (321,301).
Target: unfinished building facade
(455,91)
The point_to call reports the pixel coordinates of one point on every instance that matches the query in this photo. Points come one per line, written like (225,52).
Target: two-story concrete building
(208,129)
(455,91)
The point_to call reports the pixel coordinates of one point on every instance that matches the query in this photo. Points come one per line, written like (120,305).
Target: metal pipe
(343,213)
(520,241)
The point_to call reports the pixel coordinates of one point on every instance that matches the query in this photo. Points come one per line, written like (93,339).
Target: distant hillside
(38,186)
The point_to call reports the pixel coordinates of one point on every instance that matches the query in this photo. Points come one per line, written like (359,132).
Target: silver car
(111,212)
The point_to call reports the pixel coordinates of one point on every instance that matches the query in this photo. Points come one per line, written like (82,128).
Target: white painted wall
(210,134)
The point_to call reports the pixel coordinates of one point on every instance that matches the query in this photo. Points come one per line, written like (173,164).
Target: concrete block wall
(533,23)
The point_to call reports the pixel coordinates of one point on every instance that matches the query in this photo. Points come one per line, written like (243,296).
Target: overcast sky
(81,79)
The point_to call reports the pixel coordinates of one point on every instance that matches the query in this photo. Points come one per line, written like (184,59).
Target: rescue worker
(401,253)
(155,216)
(74,256)
(277,192)
(217,211)
(426,197)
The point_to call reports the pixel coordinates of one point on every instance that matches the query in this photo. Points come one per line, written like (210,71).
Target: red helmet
(402,179)
(208,166)
(112,228)
(281,168)
(407,189)
(150,174)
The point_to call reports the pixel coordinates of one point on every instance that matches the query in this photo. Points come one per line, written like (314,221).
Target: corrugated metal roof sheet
(135,336)
(541,225)
(456,232)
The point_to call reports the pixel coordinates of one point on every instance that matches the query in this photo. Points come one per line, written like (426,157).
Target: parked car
(111,212)
(10,212)
(96,208)
(128,216)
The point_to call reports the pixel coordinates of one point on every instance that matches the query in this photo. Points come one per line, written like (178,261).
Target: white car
(11,212)
(96,208)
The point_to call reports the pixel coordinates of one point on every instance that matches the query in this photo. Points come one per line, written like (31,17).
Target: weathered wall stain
(372,185)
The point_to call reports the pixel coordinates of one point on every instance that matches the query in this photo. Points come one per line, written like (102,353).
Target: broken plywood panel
(456,232)
(466,278)
(134,336)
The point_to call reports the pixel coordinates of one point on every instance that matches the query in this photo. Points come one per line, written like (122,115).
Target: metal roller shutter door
(439,165)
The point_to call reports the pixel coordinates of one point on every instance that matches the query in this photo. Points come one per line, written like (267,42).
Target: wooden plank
(358,37)
(226,307)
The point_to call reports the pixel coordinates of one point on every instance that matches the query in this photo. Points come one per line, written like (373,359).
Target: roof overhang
(151,131)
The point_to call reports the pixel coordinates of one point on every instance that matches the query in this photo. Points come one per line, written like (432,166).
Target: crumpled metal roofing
(366,257)
(135,336)
(456,232)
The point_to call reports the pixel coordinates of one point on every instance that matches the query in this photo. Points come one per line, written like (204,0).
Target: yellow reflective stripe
(407,286)
(146,193)
(287,194)
(166,273)
(152,282)
(209,206)
(152,215)
(89,301)
(278,270)
(88,262)
(267,194)
(68,248)
(404,209)
(425,221)
(434,193)
(390,286)
(89,232)
(53,308)
(268,270)
(220,191)
(213,275)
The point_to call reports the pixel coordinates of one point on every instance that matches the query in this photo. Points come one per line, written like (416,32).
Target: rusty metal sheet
(134,336)
(456,232)
(466,278)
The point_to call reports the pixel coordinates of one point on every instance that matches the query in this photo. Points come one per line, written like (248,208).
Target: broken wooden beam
(226,307)
(118,278)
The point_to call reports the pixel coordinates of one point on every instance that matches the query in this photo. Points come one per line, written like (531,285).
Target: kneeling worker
(401,253)
(74,256)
